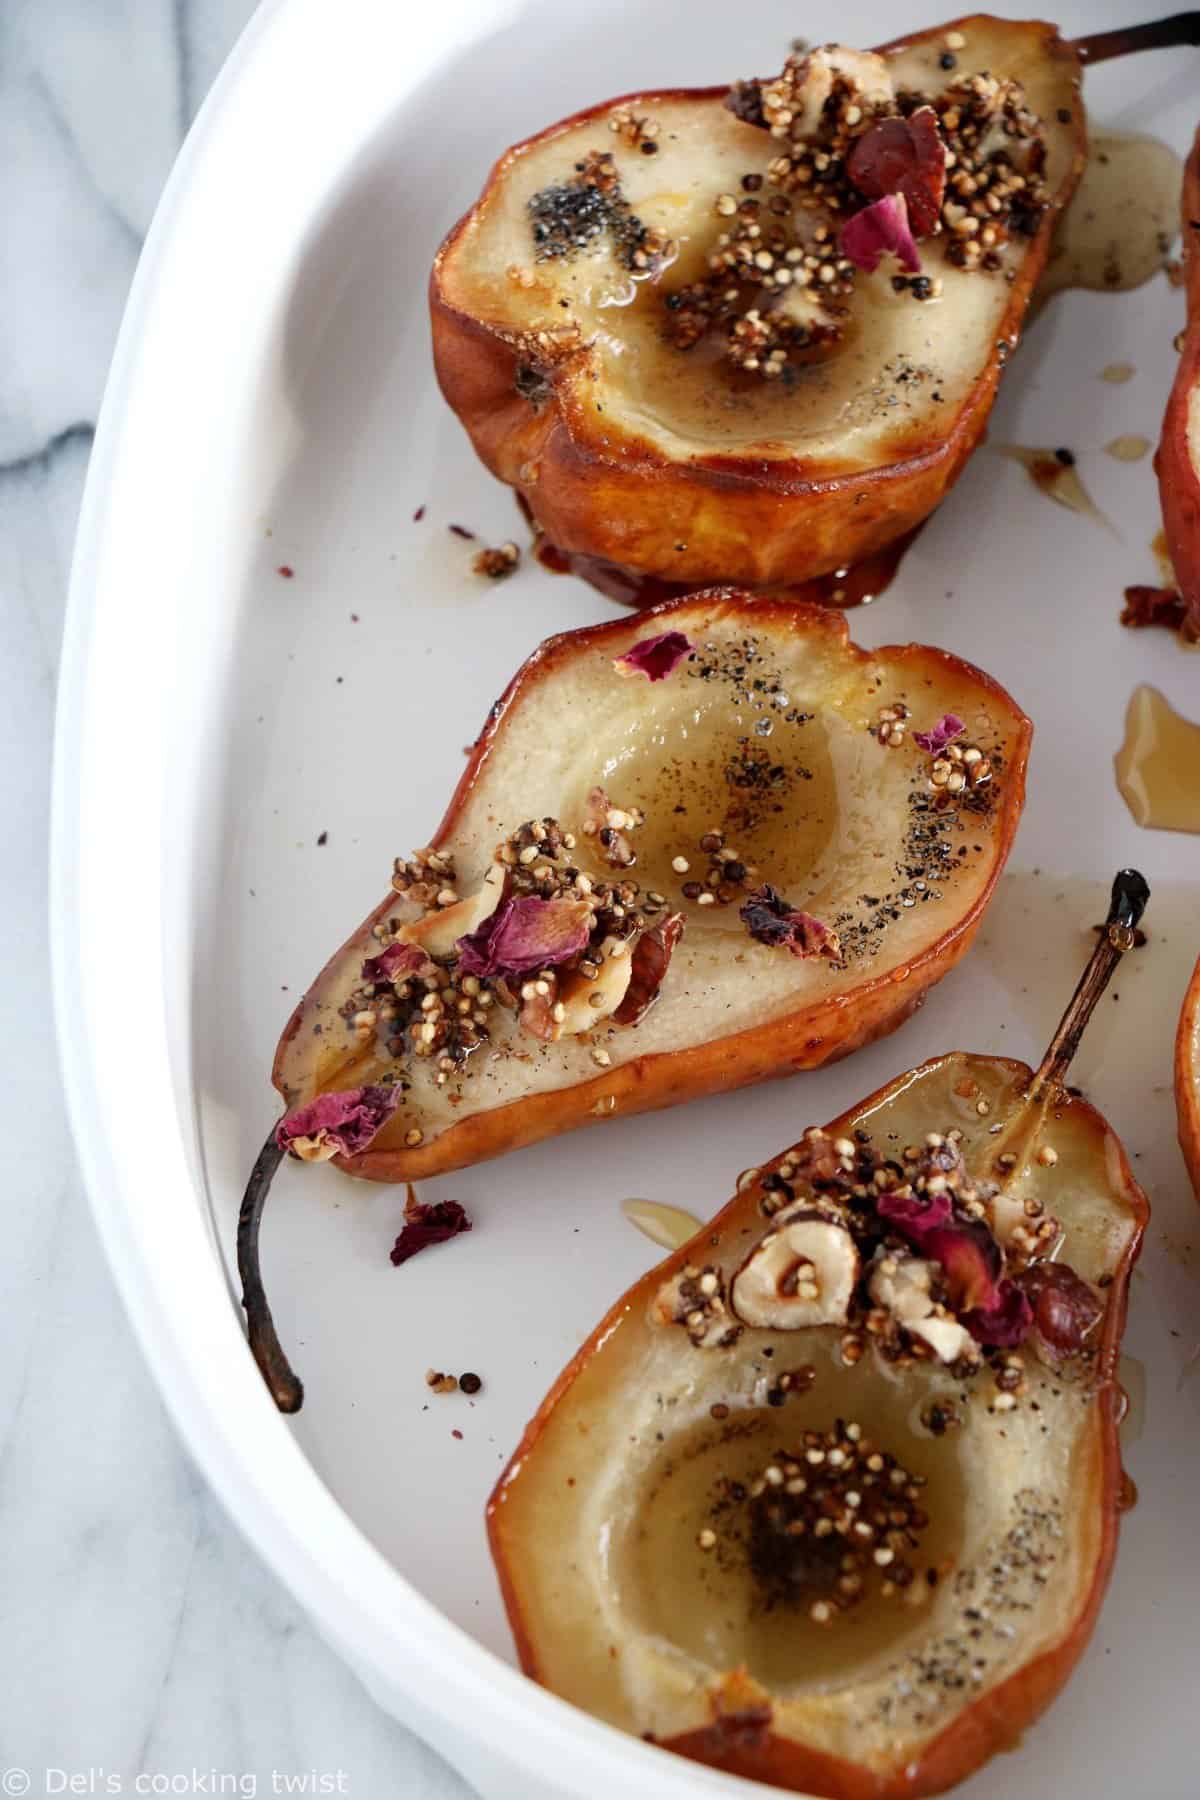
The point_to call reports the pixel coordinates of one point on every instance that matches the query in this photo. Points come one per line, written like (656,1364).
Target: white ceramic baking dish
(271,404)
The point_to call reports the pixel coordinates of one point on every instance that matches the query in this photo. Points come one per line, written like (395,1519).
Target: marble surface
(138,1635)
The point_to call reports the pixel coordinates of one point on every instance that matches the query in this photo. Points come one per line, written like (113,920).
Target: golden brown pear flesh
(658,459)
(595,1525)
(1187,1079)
(849,829)
(1177,463)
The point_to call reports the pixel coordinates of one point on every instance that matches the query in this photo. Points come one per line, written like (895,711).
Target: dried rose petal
(880,230)
(972,1261)
(948,727)
(655,657)
(969,1254)
(1004,1324)
(771,921)
(1159,606)
(337,1124)
(526,934)
(428,1224)
(1063,1307)
(813,937)
(903,156)
(397,959)
(915,1216)
(649,960)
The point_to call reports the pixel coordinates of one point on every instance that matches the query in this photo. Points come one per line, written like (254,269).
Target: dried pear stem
(286,1388)
(1130,892)
(1157,34)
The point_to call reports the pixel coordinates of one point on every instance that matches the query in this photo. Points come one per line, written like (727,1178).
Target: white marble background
(138,1635)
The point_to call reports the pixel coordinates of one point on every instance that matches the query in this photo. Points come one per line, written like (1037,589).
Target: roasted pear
(754,336)
(1177,463)
(689,851)
(1187,1079)
(830,1498)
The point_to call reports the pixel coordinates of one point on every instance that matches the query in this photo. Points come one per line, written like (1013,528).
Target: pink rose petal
(1006,1322)
(337,1124)
(967,1251)
(948,727)
(915,1216)
(655,657)
(526,934)
(972,1261)
(880,230)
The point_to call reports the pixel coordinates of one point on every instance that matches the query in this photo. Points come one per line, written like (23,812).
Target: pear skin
(1177,462)
(1187,1079)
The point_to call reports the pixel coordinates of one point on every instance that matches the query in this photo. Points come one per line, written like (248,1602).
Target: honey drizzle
(1158,764)
(666,1226)
(1058,480)
(1117,231)
(1129,448)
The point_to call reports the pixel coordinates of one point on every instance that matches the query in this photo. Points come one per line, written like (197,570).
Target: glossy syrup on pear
(686,1560)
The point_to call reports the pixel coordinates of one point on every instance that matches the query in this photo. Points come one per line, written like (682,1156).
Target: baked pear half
(830,1498)
(691,850)
(1177,463)
(1187,1079)
(729,850)
(753,336)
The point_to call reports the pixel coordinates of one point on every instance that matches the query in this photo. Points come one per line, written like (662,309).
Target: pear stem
(1157,34)
(286,1388)
(1130,892)
(1014,1146)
